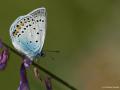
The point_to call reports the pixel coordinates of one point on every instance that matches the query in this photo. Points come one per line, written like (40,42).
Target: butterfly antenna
(53,51)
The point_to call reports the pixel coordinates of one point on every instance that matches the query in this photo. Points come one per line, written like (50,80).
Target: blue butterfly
(28,32)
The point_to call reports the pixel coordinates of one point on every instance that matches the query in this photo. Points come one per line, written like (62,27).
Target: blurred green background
(87,32)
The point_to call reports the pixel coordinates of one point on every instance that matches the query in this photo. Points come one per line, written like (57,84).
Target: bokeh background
(87,32)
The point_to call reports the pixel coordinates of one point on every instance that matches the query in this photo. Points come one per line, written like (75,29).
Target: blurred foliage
(75,27)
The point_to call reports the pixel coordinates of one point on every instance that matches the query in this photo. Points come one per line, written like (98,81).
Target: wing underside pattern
(28,32)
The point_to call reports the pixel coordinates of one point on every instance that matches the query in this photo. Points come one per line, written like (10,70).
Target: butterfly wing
(21,33)
(28,34)
(40,19)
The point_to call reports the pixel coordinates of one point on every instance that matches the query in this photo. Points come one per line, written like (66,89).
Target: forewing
(40,19)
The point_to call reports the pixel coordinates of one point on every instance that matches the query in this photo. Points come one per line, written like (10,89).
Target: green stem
(42,69)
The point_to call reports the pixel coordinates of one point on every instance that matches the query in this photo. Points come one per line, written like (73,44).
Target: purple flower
(48,83)
(1,45)
(4,58)
(24,85)
(27,62)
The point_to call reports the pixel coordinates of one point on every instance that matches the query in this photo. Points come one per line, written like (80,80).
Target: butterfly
(28,32)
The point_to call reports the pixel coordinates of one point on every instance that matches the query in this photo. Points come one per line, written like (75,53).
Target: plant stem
(41,68)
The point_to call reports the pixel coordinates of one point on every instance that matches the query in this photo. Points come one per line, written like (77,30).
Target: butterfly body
(28,32)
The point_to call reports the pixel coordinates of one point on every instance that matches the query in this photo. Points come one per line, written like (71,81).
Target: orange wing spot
(21,24)
(18,28)
(14,34)
(16,31)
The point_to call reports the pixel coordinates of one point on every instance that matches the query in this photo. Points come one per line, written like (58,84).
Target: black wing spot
(42,20)
(27,18)
(19,35)
(40,29)
(24,28)
(22,31)
(13,32)
(17,26)
(34,28)
(36,41)
(37,20)
(37,32)
(29,24)
(30,41)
